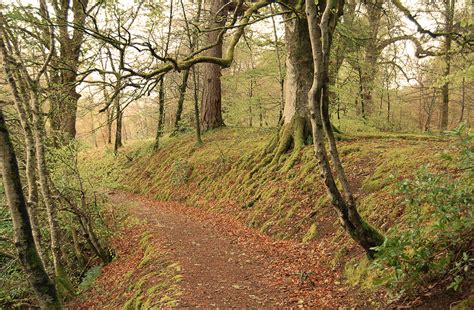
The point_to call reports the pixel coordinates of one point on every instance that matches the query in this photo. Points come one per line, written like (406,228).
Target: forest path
(228,265)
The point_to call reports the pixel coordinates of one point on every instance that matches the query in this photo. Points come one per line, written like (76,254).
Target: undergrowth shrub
(181,171)
(89,278)
(434,244)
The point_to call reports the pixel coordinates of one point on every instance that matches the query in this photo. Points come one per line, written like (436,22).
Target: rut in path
(227,265)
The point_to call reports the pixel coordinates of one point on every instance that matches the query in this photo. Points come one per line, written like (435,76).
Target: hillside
(227,176)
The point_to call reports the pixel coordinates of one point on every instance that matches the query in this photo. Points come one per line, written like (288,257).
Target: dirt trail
(227,265)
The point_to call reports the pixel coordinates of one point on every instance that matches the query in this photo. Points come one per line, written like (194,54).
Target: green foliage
(435,241)
(79,190)
(89,278)
(182,171)
(13,285)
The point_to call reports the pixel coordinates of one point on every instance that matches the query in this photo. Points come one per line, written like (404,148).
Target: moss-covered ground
(228,173)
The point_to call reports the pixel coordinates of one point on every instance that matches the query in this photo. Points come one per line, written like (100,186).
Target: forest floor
(222,264)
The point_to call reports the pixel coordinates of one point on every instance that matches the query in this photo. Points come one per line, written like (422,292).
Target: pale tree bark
(30,260)
(62,279)
(211,104)
(322,19)
(32,87)
(295,129)
(21,97)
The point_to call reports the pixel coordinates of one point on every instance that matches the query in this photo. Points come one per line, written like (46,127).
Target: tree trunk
(295,130)
(463,102)
(281,78)
(118,123)
(196,107)
(161,96)
(20,95)
(211,104)
(66,65)
(62,279)
(182,95)
(449,17)
(161,114)
(322,20)
(39,280)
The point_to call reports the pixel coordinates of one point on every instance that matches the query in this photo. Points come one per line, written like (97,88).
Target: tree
(295,129)
(448,28)
(211,105)
(70,16)
(30,89)
(25,242)
(322,19)
(42,285)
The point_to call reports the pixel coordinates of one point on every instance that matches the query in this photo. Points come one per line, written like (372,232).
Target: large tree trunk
(322,20)
(211,104)
(39,280)
(372,52)
(64,76)
(295,130)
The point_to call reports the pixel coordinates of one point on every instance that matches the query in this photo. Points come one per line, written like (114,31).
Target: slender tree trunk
(250,102)
(193,42)
(30,260)
(62,278)
(389,105)
(161,91)
(430,112)
(463,90)
(20,95)
(118,123)
(182,95)
(281,78)
(161,114)
(109,112)
(196,107)
(449,18)
(77,247)
(322,20)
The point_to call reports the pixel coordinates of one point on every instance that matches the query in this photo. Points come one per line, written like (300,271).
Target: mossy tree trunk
(161,88)
(182,95)
(30,260)
(62,279)
(21,96)
(295,127)
(118,121)
(322,19)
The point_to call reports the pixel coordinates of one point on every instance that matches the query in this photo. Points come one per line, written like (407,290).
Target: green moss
(310,234)
(466,303)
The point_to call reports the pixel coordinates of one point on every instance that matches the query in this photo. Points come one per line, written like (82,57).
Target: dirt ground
(223,263)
